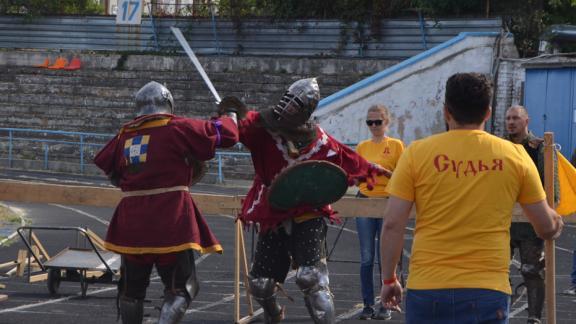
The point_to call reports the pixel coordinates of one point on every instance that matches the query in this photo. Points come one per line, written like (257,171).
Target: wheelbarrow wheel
(54,278)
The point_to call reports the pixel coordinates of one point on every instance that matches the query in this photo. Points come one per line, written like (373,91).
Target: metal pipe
(10,147)
(45,156)
(81,154)
(422,29)
(220,174)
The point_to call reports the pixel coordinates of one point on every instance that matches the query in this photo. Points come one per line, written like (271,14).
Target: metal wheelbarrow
(84,265)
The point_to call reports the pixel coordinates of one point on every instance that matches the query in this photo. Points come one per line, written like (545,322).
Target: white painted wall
(413,91)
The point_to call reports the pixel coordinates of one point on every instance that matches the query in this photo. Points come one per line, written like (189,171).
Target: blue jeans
(457,306)
(369,236)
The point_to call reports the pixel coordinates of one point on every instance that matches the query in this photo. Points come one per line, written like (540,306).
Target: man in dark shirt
(522,235)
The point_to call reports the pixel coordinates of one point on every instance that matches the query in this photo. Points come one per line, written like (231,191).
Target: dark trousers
(174,270)
(276,249)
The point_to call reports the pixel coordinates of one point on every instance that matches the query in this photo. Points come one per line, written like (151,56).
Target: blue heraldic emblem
(135,149)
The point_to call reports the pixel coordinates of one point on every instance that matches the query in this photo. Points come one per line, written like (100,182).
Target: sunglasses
(377,122)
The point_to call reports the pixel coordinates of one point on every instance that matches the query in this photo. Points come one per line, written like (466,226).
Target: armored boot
(313,282)
(173,308)
(131,310)
(535,292)
(264,291)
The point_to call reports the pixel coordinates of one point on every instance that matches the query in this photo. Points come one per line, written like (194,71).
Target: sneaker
(382,314)
(367,313)
(570,291)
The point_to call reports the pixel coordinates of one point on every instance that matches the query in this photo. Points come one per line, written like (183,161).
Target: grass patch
(7,216)
(9,222)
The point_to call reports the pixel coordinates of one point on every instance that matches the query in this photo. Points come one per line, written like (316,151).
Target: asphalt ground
(32,303)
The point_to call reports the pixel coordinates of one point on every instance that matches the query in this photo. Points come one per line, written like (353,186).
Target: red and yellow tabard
(464,184)
(384,153)
(150,158)
(270,156)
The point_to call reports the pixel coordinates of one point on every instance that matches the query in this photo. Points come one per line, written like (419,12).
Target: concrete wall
(98,97)
(413,90)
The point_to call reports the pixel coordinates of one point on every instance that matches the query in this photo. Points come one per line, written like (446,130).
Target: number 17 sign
(129,12)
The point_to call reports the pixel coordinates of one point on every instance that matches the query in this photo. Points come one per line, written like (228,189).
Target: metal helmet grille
(298,103)
(154,98)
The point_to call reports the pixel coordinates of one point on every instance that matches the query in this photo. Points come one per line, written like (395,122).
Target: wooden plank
(209,204)
(8,264)
(97,240)
(21,260)
(40,246)
(36,192)
(38,277)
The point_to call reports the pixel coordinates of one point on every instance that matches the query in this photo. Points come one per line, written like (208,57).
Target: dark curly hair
(468,97)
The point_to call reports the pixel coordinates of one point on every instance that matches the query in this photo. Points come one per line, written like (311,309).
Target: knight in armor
(522,235)
(154,159)
(279,137)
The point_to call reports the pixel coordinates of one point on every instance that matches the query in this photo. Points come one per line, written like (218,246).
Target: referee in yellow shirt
(464,184)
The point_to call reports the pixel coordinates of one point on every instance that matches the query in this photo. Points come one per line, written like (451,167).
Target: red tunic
(151,152)
(270,157)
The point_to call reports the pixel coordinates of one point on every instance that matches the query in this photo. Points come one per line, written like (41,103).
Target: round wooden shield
(308,183)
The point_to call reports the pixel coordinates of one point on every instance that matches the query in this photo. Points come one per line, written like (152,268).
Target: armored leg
(131,310)
(173,308)
(135,278)
(180,287)
(532,269)
(535,290)
(264,291)
(313,281)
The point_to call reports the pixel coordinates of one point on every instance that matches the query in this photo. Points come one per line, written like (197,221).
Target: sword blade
(176,31)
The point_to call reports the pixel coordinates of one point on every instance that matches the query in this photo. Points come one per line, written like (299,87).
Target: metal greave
(313,281)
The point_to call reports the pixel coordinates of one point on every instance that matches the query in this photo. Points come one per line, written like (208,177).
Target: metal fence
(78,143)
(34,139)
(396,38)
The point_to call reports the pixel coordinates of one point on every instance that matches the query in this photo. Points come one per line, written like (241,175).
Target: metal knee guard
(264,291)
(313,281)
(131,310)
(173,308)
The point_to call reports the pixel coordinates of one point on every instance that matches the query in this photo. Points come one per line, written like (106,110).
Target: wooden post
(237,273)
(549,245)
(40,246)
(245,267)
(21,261)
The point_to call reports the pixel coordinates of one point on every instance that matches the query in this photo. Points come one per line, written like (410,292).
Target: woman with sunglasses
(384,151)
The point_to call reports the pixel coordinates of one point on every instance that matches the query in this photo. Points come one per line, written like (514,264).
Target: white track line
(518,310)
(93,292)
(81,212)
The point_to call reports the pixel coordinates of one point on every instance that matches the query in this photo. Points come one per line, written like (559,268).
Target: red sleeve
(203,137)
(105,157)
(356,167)
(248,129)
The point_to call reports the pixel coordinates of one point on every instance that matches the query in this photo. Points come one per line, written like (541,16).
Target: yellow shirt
(464,184)
(386,154)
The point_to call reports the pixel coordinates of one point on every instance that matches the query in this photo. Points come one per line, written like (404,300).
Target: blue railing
(79,139)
